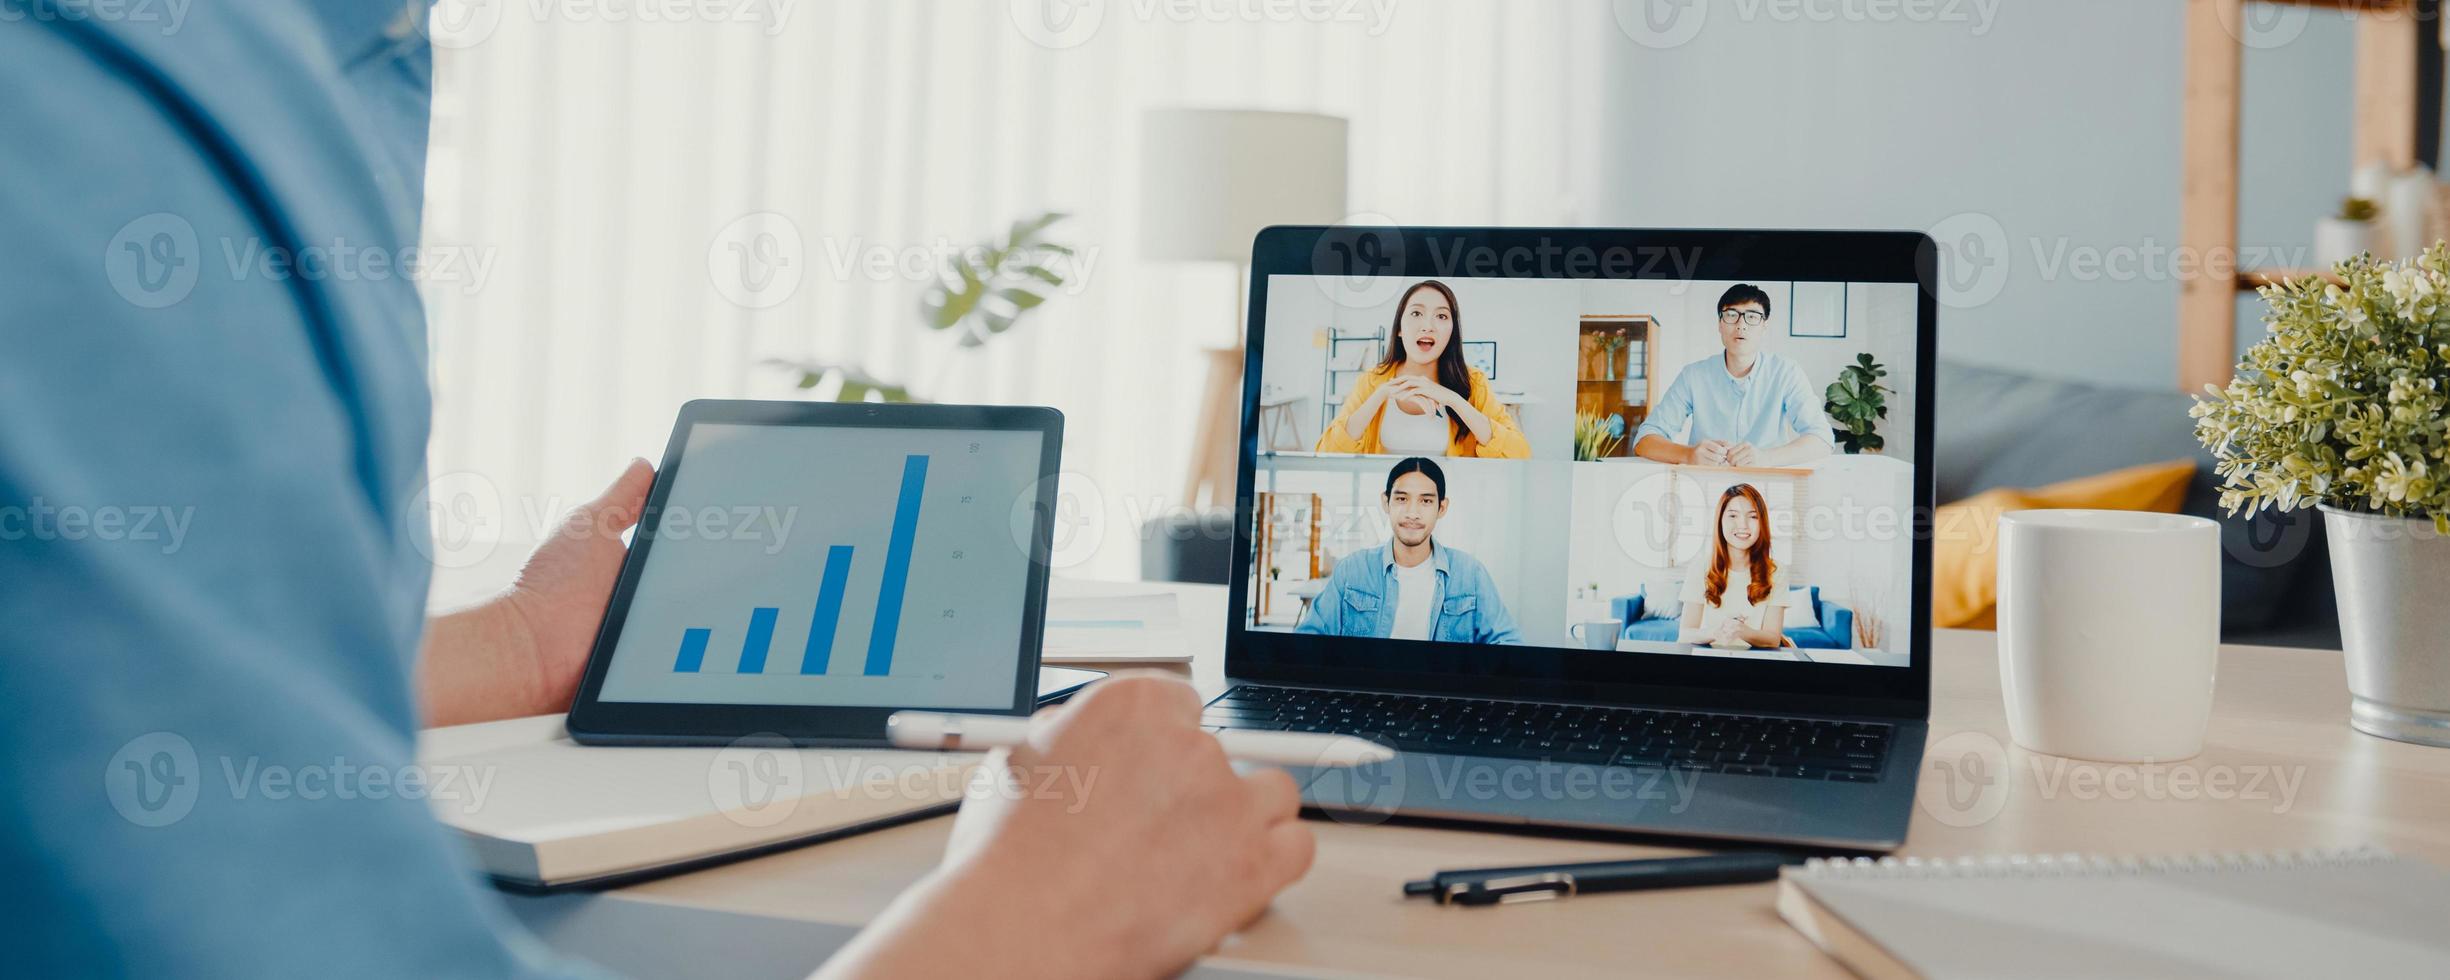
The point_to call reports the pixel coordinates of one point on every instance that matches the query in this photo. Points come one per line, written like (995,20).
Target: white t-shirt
(1416,597)
(1425,434)
(1736,602)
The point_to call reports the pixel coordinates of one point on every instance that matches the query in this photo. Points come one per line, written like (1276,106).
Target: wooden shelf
(1635,364)
(2249,280)
(2395,111)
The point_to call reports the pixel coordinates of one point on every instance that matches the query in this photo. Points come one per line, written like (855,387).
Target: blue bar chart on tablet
(831,566)
(827,615)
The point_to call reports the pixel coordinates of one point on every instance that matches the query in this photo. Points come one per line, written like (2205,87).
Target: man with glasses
(1746,406)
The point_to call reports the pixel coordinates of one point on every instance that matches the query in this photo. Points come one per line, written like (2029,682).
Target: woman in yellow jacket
(1422,399)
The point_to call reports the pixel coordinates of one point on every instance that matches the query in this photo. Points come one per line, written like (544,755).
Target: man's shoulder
(1784,368)
(1459,561)
(1693,372)
(1358,565)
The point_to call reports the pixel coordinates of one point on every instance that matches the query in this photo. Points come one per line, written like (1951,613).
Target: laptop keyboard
(1748,745)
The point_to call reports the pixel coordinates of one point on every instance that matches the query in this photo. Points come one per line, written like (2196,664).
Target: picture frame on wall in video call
(1665,467)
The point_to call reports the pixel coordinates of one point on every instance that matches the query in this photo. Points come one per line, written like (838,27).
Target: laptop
(1601,529)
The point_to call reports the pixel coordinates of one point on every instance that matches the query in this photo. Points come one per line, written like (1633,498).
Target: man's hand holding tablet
(803,570)
(1116,840)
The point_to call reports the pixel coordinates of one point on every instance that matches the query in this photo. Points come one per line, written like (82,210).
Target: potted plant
(2342,406)
(1597,437)
(1856,402)
(2346,235)
(980,292)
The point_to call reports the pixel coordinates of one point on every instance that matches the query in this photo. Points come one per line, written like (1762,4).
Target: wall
(2051,128)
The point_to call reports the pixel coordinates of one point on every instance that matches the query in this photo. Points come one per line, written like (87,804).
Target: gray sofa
(2003,429)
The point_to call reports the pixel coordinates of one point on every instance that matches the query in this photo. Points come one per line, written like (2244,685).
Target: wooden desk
(2280,716)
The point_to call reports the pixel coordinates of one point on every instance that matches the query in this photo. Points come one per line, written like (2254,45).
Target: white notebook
(541,811)
(2354,913)
(1123,628)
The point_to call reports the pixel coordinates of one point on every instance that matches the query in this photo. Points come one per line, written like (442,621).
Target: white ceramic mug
(2109,629)
(1598,634)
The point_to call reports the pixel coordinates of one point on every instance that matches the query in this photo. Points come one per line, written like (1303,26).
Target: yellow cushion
(1965,534)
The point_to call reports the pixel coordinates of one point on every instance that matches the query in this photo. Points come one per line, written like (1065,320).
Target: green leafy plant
(983,291)
(2344,400)
(1596,437)
(2358,209)
(1856,402)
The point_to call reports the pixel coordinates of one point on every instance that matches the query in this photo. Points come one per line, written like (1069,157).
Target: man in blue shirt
(1747,407)
(1412,587)
(213,567)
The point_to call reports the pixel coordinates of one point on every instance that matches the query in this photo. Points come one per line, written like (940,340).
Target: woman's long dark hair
(1757,563)
(1453,372)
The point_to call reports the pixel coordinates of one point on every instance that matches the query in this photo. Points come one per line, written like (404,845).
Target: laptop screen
(1637,469)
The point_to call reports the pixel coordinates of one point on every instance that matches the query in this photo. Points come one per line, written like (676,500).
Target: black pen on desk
(1532,882)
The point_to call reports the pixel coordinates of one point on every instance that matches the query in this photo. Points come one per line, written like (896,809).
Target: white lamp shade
(1211,178)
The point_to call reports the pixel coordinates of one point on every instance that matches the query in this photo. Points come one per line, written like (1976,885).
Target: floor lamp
(1209,180)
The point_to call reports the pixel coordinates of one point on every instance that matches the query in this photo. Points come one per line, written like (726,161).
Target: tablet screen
(834,566)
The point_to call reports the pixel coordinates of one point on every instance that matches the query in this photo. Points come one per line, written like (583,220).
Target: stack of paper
(1144,627)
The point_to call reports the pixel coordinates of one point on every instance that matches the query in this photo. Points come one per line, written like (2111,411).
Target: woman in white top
(1739,601)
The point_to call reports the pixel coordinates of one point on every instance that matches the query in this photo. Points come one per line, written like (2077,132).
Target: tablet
(802,571)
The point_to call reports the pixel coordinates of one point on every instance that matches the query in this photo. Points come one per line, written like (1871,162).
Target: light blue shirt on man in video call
(1769,406)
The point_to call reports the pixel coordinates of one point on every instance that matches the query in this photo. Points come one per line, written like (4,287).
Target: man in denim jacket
(1412,588)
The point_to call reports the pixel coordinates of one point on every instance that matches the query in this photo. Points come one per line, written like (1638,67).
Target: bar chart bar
(820,650)
(761,635)
(897,567)
(693,650)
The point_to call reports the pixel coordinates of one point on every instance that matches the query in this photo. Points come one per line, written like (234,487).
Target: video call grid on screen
(1591,440)
(835,566)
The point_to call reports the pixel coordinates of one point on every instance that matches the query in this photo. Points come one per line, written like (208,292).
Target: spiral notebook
(2350,913)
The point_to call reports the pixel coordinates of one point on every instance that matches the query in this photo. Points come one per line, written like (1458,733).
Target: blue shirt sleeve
(1672,413)
(213,590)
(1325,615)
(1496,622)
(1803,407)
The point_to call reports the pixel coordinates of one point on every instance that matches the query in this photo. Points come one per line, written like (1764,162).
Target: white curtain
(594,153)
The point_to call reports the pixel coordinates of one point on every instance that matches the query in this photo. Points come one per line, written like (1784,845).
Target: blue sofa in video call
(1835,632)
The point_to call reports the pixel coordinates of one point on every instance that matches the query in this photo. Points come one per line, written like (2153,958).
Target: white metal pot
(2393,576)
(2337,240)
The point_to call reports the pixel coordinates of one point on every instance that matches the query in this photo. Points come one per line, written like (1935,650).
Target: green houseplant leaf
(2344,400)
(985,291)
(1856,402)
(980,292)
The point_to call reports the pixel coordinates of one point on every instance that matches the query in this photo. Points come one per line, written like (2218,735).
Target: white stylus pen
(939,731)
